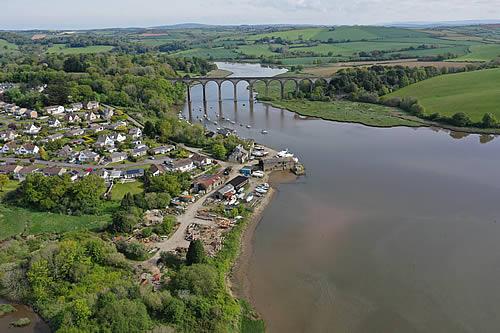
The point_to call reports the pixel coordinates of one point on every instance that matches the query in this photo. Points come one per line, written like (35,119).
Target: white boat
(264,132)
(260,190)
(249,197)
(248,126)
(285,153)
(260,153)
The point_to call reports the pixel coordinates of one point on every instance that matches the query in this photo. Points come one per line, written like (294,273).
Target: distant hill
(441,23)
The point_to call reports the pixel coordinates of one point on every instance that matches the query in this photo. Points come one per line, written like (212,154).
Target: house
(65,152)
(86,156)
(115,174)
(90,116)
(8,135)
(54,123)
(239,155)
(75,107)
(77,142)
(225,192)
(54,110)
(75,132)
(10,169)
(32,130)
(107,113)
(239,182)
(31,114)
(9,147)
(118,137)
(102,173)
(117,125)
(27,149)
(54,137)
(200,160)
(161,150)
(182,165)
(92,105)
(135,132)
(277,163)
(24,172)
(72,118)
(104,141)
(140,150)
(96,128)
(133,173)
(157,169)
(207,183)
(117,157)
(53,171)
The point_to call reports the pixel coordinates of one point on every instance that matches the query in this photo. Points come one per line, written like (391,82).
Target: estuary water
(391,230)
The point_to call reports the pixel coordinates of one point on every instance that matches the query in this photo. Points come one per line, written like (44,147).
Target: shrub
(489,121)
(132,250)
(460,119)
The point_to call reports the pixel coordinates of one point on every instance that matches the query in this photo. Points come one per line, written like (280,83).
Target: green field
(215,53)
(5,46)
(474,93)
(14,221)
(483,52)
(62,48)
(119,190)
(352,112)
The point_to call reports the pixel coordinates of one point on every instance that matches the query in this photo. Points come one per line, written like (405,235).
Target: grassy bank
(473,93)
(352,112)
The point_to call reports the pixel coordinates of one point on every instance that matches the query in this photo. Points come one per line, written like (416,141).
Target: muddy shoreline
(238,282)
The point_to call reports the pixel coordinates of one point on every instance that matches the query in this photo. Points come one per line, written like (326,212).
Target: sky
(81,14)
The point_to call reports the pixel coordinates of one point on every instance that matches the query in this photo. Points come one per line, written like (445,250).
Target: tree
(460,119)
(124,315)
(3,181)
(149,129)
(196,253)
(219,151)
(488,121)
(43,154)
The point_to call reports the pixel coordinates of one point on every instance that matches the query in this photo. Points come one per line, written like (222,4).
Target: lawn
(5,46)
(119,190)
(483,52)
(10,186)
(353,112)
(14,220)
(474,93)
(62,48)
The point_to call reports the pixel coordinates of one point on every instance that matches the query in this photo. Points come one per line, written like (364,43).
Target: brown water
(392,230)
(37,324)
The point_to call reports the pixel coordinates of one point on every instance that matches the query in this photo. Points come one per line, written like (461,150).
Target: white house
(200,160)
(54,137)
(182,165)
(54,110)
(107,113)
(32,130)
(96,128)
(72,118)
(54,123)
(8,135)
(27,149)
(162,149)
(88,156)
(140,150)
(75,132)
(135,132)
(117,157)
(90,116)
(104,141)
(118,137)
(9,147)
(92,105)
(75,107)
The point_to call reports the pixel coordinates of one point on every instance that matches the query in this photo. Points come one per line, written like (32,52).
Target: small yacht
(285,153)
(264,132)
(248,126)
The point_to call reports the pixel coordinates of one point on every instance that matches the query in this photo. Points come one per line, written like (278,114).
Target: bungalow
(75,107)
(54,110)
(27,149)
(54,123)
(104,141)
(118,137)
(10,169)
(96,128)
(200,160)
(157,169)
(182,165)
(133,173)
(77,142)
(54,137)
(207,183)
(115,174)
(107,113)
(92,105)
(75,132)
(72,118)
(90,116)
(140,150)
(117,125)
(135,132)
(65,152)
(32,130)
(53,171)
(8,135)
(239,155)
(117,157)
(88,156)
(9,147)
(24,172)
(162,150)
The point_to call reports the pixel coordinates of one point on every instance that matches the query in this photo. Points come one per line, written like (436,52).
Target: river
(391,230)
